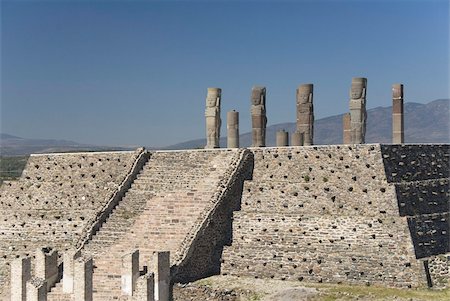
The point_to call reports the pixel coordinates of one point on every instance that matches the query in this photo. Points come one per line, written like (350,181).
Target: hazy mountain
(17,146)
(424,123)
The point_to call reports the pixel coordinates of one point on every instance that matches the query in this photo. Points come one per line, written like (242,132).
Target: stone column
(305,112)
(259,119)
(282,138)
(145,288)
(161,268)
(212,115)
(20,274)
(358,115)
(233,129)
(130,272)
(37,289)
(297,139)
(47,266)
(68,260)
(347,132)
(82,281)
(398,135)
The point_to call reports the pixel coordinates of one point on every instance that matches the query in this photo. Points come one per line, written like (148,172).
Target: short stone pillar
(68,260)
(347,132)
(282,138)
(233,129)
(130,272)
(259,118)
(145,288)
(398,135)
(161,269)
(358,114)
(212,115)
(82,280)
(305,112)
(37,289)
(297,139)
(47,266)
(20,274)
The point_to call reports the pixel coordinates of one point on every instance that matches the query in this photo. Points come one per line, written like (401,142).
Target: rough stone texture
(233,129)
(47,266)
(282,138)
(358,114)
(145,288)
(347,131)
(37,289)
(259,118)
(330,214)
(20,274)
(297,139)
(57,196)
(68,269)
(212,115)
(161,267)
(439,269)
(398,124)
(83,285)
(130,272)
(305,112)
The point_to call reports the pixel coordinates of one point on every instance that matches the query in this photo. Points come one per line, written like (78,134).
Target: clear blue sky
(136,72)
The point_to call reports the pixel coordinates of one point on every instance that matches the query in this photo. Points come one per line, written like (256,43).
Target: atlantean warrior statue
(212,114)
(358,113)
(259,119)
(305,113)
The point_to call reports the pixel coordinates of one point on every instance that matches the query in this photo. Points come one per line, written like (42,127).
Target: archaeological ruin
(128,225)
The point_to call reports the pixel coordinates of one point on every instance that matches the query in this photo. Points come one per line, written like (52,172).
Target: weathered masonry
(367,214)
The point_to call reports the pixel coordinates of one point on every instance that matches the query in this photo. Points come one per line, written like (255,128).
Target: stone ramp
(160,212)
(56,197)
(322,213)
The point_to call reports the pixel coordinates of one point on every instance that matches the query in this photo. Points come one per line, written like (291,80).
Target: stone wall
(53,200)
(325,214)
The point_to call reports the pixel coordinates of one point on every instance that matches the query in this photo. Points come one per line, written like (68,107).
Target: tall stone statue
(347,131)
(358,115)
(259,119)
(212,114)
(398,135)
(305,112)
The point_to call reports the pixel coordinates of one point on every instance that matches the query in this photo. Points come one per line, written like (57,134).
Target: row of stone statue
(354,123)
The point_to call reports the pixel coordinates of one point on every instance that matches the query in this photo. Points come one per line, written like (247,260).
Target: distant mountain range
(424,123)
(16,146)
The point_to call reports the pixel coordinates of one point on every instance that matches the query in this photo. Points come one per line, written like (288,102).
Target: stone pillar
(233,129)
(82,281)
(47,266)
(259,119)
(212,115)
(161,268)
(347,132)
(20,274)
(145,288)
(282,138)
(130,272)
(305,112)
(37,289)
(398,135)
(297,139)
(358,115)
(68,260)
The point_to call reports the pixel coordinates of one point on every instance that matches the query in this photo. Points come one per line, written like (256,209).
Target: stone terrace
(321,214)
(55,199)
(158,212)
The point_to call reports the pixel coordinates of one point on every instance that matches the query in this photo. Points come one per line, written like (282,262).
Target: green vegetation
(11,167)
(306,178)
